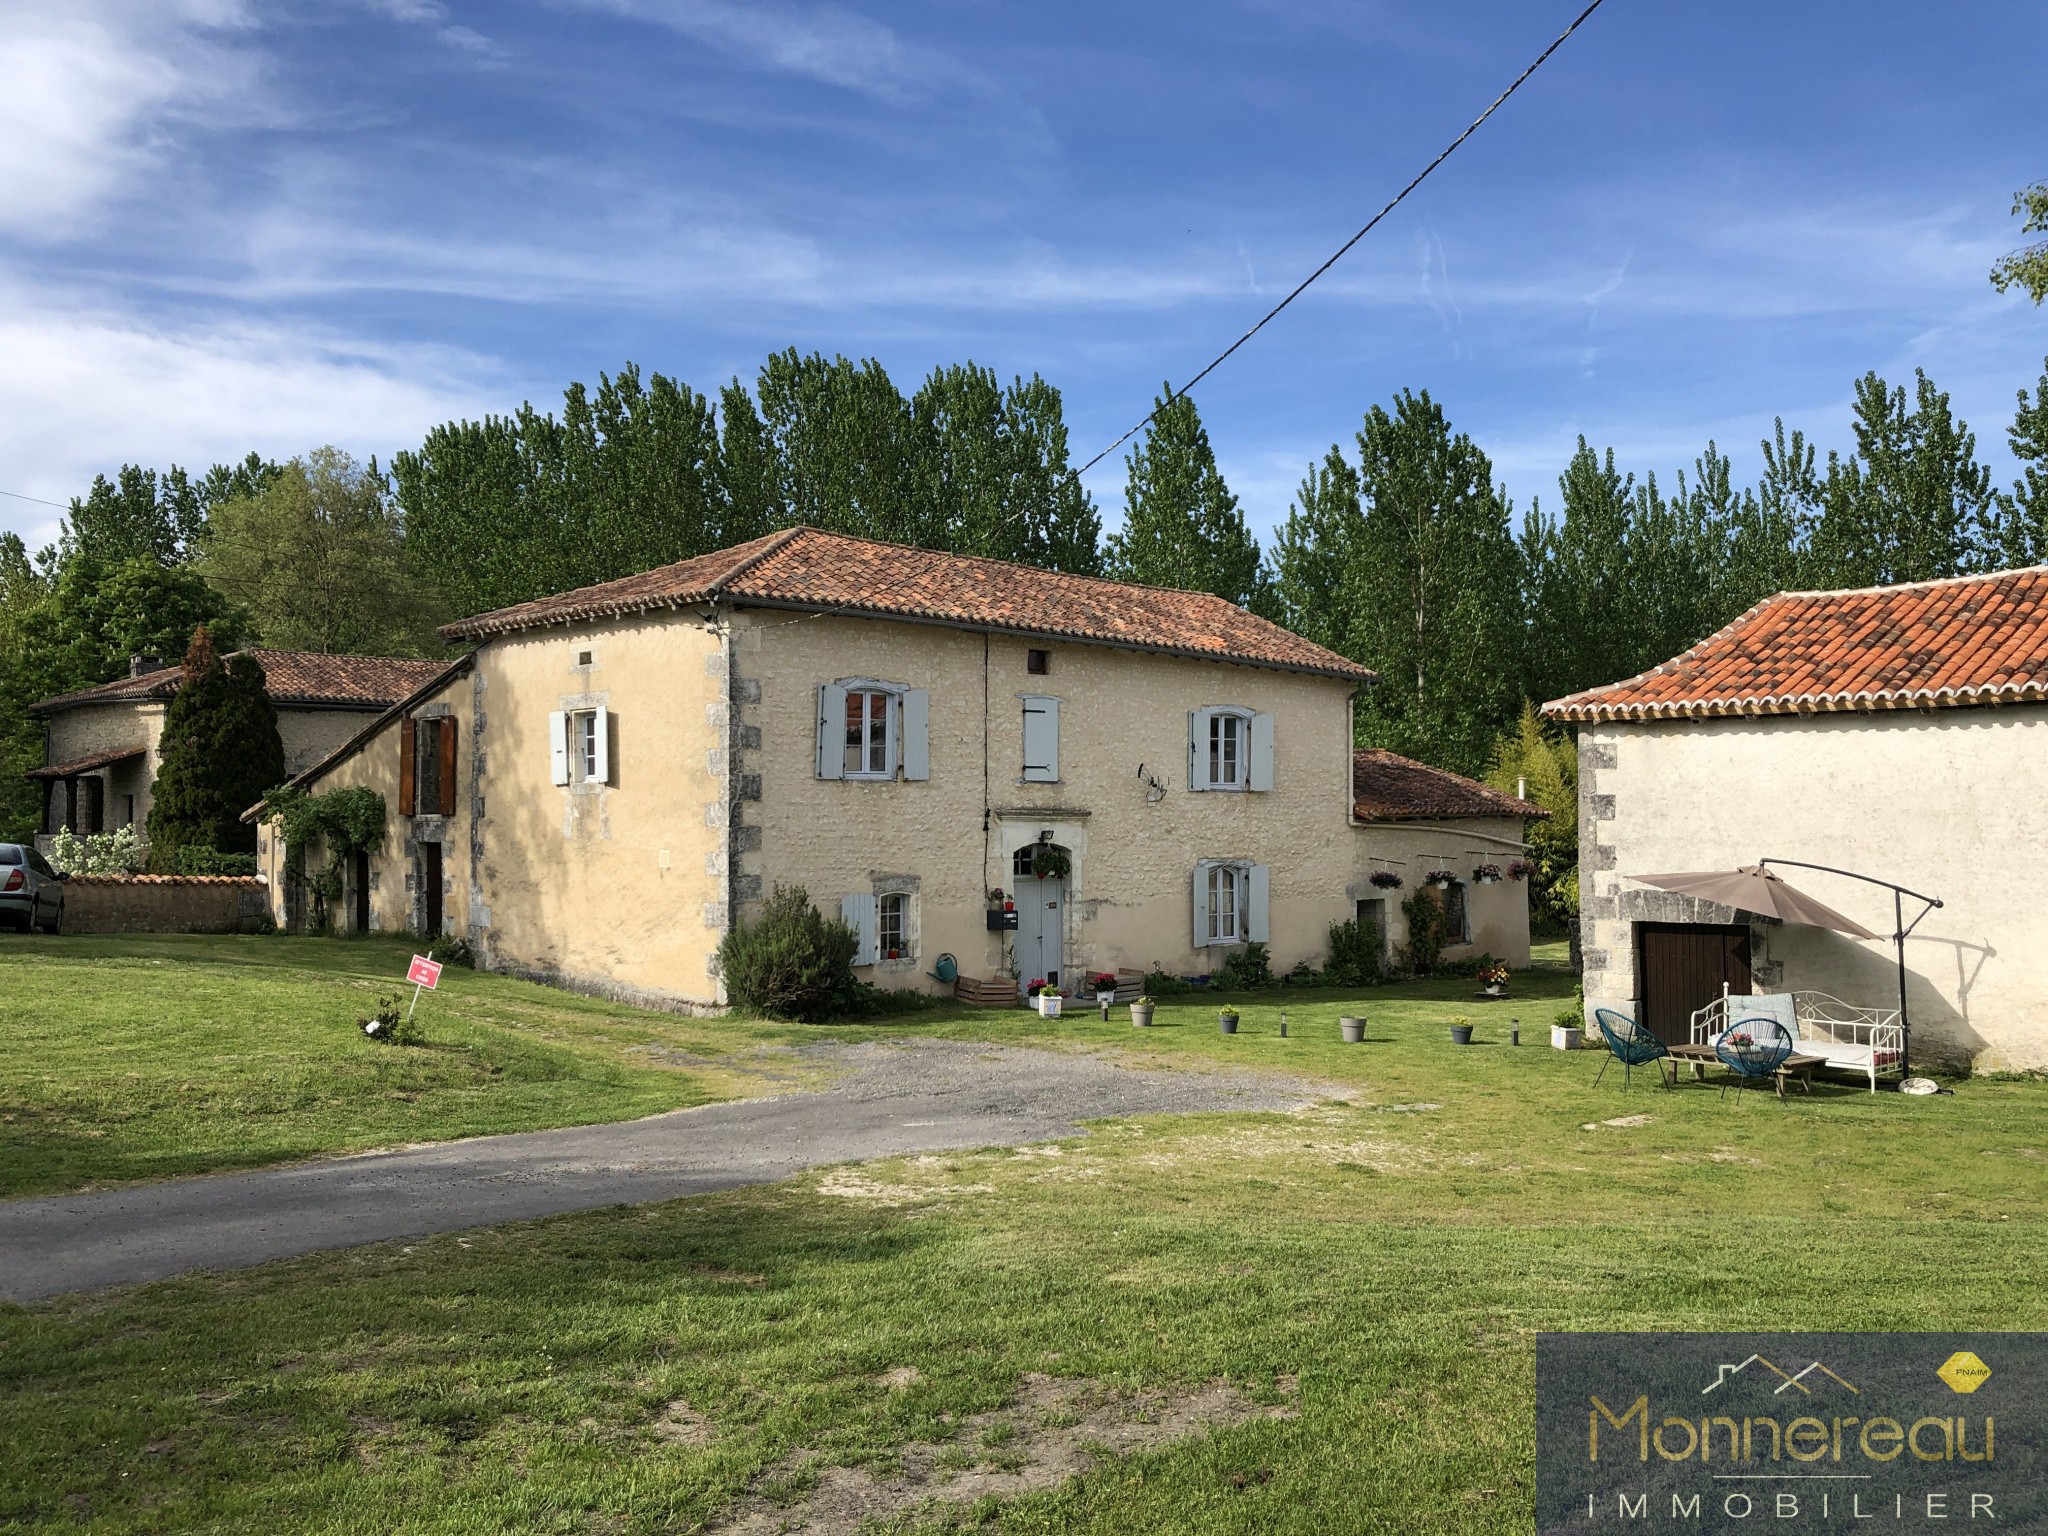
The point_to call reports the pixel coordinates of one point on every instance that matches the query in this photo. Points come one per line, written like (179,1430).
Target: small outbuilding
(1894,733)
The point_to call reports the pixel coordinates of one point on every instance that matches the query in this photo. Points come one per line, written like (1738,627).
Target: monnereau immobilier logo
(1720,1432)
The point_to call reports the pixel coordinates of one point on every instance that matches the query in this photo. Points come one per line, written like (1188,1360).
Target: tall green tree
(2021,532)
(1542,765)
(845,448)
(1182,526)
(317,561)
(220,751)
(1310,566)
(143,514)
(98,614)
(1911,503)
(2027,267)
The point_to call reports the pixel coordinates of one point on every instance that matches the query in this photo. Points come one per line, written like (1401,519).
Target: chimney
(142,666)
(1522,788)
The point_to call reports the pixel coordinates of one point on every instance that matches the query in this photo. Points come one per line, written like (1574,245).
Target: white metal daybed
(1871,1042)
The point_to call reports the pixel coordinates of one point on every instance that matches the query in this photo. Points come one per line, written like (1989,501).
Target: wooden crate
(995,992)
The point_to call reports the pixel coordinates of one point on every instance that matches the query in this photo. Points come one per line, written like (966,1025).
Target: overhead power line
(37,500)
(1338,255)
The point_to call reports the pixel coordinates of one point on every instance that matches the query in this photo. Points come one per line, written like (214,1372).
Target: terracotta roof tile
(1969,640)
(1388,787)
(813,571)
(291,677)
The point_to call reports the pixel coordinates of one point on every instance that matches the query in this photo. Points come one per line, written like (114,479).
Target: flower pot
(1461,1034)
(1106,997)
(1497,989)
(1141,1015)
(1564,1037)
(1227,1023)
(1353,1030)
(1049,1007)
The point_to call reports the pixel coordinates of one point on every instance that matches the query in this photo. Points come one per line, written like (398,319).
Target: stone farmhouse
(1041,775)
(1895,732)
(100,750)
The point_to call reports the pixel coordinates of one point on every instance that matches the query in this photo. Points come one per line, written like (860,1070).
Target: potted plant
(1002,911)
(1105,986)
(1352,1027)
(1226,1021)
(1461,1031)
(1442,879)
(1385,879)
(1493,977)
(1567,1030)
(1048,1002)
(1049,861)
(1486,874)
(1520,869)
(1141,1013)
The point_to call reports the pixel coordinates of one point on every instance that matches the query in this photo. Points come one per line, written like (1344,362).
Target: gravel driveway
(894,1098)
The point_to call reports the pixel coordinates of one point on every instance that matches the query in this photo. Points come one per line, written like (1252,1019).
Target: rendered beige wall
(1130,895)
(1950,802)
(618,888)
(1498,913)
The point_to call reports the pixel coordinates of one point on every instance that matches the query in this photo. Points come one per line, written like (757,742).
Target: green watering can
(947,970)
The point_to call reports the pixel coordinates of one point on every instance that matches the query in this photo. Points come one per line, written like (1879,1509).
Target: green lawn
(143,1057)
(1394,1248)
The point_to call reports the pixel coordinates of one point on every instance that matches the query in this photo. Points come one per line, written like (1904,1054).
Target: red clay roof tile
(1388,787)
(814,571)
(1968,640)
(290,677)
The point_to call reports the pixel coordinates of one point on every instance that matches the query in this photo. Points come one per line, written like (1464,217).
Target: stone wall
(163,904)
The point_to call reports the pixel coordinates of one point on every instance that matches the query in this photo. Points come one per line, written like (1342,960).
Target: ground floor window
(1226,888)
(892,925)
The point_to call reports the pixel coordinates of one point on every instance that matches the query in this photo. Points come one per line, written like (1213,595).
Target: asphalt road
(895,1098)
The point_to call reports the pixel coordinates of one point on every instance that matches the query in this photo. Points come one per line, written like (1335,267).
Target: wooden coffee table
(1700,1057)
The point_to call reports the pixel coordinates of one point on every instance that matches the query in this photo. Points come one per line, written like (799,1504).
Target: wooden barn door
(1683,966)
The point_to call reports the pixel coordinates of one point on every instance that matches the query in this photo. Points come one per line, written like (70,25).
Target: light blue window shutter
(1260,774)
(1255,925)
(831,731)
(1198,743)
(917,734)
(1041,741)
(1202,903)
(858,913)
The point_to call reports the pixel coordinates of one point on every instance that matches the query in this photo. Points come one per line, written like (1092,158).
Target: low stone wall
(164,904)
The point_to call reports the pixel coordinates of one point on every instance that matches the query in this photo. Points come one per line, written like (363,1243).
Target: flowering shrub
(104,853)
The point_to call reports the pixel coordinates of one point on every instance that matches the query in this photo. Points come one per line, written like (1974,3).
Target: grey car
(31,893)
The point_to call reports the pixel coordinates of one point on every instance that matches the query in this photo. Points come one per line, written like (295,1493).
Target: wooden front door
(1684,966)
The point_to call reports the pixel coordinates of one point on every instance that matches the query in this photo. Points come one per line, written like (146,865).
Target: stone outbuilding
(1899,733)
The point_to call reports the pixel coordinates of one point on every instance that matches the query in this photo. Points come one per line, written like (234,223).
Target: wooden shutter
(831,731)
(1202,903)
(602,726)
(1198,743)
(1041,741)
(1259,765)
(858,913)
(1256,885)
(445,730)
(558,746)
(917,734)
(408,765)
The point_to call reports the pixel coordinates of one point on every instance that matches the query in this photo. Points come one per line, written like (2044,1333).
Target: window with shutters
(1230,749)
(891,925)
(1231,897)
(427,772)
(870,734)
(585,752)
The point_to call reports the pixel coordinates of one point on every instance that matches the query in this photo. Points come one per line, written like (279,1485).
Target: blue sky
(228,224)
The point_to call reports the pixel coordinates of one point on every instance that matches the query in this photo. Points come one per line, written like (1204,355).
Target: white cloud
(86,90)
(87,389)
(824,43)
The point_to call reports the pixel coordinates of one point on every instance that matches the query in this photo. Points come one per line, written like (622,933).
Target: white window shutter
(858,913)
(1198,744)
(1201,904)
(1260,774)
(1256,927)
(917,734)
(558,745)
(603,728)
(831,731)
(1041,741)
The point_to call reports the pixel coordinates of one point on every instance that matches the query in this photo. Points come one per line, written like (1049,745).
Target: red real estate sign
(424,972)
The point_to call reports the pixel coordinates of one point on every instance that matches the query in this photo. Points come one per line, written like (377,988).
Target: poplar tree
(1182,526)
(2021,533)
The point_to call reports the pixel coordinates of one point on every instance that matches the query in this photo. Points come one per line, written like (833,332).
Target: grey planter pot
(1141,1015)
(1461,1034)
(1353,1030)
(1227,1023)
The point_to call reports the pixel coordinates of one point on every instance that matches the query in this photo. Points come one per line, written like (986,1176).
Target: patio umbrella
(1755,889)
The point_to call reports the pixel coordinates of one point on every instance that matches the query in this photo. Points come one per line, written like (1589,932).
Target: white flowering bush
(103,853)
